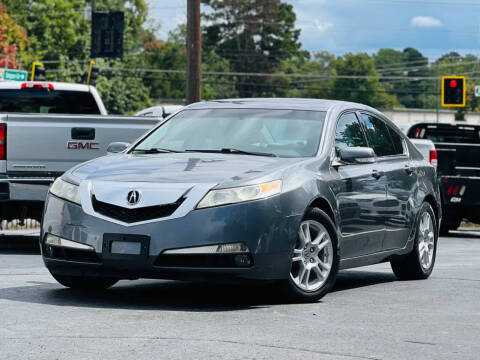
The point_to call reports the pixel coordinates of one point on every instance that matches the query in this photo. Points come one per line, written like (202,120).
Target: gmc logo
(79,145)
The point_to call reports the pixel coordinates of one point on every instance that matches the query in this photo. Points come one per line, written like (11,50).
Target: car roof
(279,103)
(56,85)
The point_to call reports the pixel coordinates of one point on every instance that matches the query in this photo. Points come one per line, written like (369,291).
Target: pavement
(369,315)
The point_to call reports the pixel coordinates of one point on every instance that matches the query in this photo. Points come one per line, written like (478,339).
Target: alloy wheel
(426,241)
(312,256)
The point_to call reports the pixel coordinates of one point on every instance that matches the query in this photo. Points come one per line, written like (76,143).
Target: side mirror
(117,147)
(357,155)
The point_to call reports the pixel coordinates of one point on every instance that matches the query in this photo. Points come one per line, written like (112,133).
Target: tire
(415,266)
(85,283)
(320,264)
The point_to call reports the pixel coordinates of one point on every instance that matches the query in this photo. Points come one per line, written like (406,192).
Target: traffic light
(454,91)
(92,73)
(38,71)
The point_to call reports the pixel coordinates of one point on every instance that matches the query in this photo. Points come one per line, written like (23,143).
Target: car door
(400,178)
(358,191)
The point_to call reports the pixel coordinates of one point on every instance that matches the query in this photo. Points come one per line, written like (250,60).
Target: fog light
(212,249)
(53,240)
(242,260)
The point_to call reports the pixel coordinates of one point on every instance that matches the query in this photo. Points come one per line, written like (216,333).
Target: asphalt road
(369,315)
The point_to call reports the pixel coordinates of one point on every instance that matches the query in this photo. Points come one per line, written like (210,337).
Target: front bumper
(268,230)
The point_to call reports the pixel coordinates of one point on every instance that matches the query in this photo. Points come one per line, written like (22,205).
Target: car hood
(225,169)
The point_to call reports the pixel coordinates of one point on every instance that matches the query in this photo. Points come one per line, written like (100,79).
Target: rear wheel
(314,258)
(87,283)
(418,264)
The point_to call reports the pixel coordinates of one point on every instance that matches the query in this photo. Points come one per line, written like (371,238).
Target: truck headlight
(66,191)
(240,194)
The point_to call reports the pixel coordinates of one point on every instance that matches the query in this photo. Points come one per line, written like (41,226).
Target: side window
(378,136)
(349,132)
(397,141)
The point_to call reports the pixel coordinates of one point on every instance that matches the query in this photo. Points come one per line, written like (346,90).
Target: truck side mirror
(117,147)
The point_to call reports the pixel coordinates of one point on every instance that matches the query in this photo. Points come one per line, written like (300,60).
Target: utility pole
(194,52)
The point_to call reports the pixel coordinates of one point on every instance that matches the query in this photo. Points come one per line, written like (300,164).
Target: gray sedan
(284,190)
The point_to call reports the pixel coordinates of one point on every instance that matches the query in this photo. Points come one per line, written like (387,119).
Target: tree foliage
(256,37)
(239,38)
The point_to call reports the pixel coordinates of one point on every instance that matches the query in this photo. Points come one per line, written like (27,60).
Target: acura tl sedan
(289,191)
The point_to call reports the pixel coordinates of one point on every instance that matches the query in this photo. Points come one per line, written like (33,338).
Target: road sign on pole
(13,75)
(477,91)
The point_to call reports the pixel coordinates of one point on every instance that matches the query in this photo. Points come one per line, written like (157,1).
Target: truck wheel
(315,259)
(86,283)
(418,264)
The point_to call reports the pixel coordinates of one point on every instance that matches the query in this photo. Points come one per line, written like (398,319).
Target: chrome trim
(53,240)
(209,249)
(22,179)
(192,198)
(456,144)
(467,168)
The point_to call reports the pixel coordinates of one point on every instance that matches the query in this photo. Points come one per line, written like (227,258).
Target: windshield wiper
(156,151)
(231,151)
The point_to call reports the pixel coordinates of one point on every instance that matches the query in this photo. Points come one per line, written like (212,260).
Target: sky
(435,27)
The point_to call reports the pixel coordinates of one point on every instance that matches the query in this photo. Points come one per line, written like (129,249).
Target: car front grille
(136,214)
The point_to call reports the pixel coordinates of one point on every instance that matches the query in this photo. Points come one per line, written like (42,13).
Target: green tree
(358,81)
(256,37)
(171,55)
(319,64)
(13,40)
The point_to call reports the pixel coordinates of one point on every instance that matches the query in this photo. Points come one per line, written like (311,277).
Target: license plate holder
(125,246)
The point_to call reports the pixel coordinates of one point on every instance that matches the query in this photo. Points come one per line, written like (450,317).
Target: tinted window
(378,136)
(47,101)
(397,140)
(349,132)
(287,133)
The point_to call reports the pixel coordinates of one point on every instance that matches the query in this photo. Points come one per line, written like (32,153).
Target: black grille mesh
(136,214)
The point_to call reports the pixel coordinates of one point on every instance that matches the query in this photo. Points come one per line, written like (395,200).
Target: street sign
(107,34)
(477,90)
(13,75)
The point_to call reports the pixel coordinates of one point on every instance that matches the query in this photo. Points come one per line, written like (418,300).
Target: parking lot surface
(369,315)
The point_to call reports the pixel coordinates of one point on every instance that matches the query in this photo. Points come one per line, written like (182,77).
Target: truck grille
(137,214)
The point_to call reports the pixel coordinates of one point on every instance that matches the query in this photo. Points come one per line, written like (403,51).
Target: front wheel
(314,258)
(86,283)
(418,264)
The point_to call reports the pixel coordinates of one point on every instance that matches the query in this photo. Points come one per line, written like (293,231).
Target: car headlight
(66,191)
(240,194)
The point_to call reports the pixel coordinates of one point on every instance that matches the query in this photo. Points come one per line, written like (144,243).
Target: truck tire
(85,283)
(419,263)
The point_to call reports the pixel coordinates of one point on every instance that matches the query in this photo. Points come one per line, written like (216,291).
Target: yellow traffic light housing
(38,71)
(454,91)
(92,73)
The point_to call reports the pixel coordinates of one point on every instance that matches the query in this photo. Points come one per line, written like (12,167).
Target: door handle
(409,169)
(377,174)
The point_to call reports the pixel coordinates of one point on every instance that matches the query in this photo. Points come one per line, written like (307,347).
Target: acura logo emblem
(133,197)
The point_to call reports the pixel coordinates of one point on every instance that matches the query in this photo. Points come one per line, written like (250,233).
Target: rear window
(47,101)
(446,134)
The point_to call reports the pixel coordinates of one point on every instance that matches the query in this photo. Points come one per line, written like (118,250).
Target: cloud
(425,21)
(322,26)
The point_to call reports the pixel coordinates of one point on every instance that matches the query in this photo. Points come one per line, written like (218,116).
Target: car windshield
(283,133)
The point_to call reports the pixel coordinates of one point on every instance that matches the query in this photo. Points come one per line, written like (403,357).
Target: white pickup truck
(45,129)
